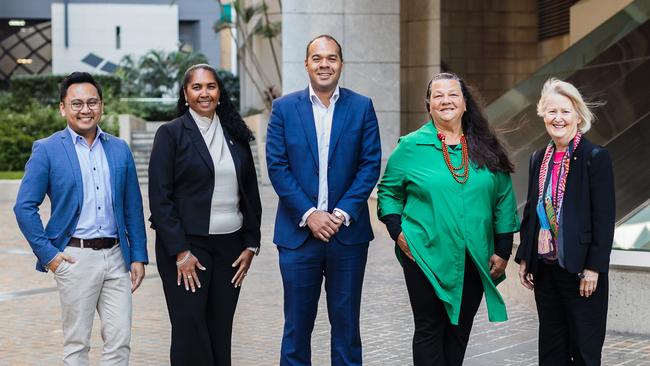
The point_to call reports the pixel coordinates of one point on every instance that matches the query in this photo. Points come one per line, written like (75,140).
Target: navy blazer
(53,169)
(588,211)
(292,160)
(181,183)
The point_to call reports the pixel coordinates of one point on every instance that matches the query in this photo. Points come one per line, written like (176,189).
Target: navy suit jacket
(53,169)
(588,211)
(181,183)
(292,160)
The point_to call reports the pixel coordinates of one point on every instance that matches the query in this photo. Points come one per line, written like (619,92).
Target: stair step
(143,135)
(142,143)
(141,152)
(153,126)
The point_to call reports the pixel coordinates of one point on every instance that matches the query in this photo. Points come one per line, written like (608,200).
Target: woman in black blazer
(206,211)
(567,231)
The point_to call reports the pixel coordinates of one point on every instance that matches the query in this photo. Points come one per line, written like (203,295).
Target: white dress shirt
(323,116)
(97,219)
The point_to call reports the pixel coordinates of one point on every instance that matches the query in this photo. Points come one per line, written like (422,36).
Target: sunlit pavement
(30,331)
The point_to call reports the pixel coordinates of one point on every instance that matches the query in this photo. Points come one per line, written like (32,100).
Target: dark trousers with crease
(571,327)
(202,321)
(437,342)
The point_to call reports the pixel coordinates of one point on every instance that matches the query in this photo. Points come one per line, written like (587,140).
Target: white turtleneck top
(225,216)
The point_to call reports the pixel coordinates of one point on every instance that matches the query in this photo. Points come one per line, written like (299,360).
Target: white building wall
(91,28)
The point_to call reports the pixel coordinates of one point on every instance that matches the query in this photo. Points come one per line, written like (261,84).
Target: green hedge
(45,88)
(30,112)
(22,122)
(18,130)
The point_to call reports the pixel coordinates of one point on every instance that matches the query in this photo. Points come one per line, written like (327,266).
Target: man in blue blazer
(323,155)
(95,235)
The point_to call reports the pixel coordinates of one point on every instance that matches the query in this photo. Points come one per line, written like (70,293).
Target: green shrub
(18,130)
(45,88)
(150,111)
(22,123)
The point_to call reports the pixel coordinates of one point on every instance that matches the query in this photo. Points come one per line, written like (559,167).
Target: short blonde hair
(556,86)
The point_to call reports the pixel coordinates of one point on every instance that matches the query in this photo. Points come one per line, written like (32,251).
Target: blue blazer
(292,160)
(53,169)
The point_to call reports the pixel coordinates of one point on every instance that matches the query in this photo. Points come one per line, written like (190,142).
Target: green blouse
(442,219)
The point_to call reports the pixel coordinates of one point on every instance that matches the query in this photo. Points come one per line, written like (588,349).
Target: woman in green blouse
(446,198)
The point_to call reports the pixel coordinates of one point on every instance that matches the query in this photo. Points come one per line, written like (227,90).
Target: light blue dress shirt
(97,219)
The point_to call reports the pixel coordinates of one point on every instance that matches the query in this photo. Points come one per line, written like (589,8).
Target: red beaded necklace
(460,173)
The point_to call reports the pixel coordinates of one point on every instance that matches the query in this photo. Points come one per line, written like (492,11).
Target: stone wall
(492,44)
(420,57)
(368,31)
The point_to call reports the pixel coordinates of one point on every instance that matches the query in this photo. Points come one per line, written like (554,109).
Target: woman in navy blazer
(567,231)
(206,210)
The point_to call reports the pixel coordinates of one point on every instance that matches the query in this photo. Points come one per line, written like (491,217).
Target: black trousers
(436,342)
(571,327)
(202,321)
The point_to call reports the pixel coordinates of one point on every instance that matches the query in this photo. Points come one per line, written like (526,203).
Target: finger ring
(189,276)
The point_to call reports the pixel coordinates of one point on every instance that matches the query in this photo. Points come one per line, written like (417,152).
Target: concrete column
(420,57)
(368,31)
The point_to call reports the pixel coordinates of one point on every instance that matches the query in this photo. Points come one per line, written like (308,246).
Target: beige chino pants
(97,280)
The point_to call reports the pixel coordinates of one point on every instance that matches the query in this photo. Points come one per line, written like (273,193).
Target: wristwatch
(339,215)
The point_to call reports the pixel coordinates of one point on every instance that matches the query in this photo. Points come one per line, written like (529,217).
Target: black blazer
(181,182)
(588,211)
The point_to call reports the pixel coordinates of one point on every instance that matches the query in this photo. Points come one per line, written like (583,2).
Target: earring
(218,103)
(187,104)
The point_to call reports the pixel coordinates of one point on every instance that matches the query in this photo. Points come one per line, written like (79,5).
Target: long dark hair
(483,146)
(228,116)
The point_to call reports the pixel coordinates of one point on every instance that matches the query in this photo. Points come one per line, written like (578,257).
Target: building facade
(60,36)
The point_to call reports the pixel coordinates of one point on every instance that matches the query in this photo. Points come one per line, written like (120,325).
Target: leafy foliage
(25,119)
(156,74)
(252,22)
(45,88)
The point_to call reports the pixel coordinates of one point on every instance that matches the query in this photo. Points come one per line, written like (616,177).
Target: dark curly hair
(483,146)
(230,119)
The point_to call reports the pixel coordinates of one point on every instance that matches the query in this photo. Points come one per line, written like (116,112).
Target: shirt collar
(315,100)
(76,137)
(428,135)
(203,122)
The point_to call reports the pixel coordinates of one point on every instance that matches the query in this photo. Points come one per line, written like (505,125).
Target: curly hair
(484,148)
(230,119)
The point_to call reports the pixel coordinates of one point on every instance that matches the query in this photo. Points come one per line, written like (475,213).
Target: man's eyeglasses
(93,104)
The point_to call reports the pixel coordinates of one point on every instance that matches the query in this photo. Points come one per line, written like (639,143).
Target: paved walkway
(30,332)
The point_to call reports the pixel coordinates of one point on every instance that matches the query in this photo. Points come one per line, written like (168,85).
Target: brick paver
(31,335)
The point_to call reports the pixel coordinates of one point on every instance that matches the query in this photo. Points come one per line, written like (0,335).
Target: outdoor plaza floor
(30,330)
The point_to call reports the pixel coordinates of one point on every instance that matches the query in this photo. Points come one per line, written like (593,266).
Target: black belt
(96,244)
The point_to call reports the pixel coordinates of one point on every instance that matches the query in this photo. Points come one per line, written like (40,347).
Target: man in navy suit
(323,155)
(95,235)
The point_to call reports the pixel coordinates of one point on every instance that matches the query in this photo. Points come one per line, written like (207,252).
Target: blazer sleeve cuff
(47,255)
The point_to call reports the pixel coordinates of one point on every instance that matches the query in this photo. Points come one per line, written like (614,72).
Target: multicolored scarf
(549,205)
